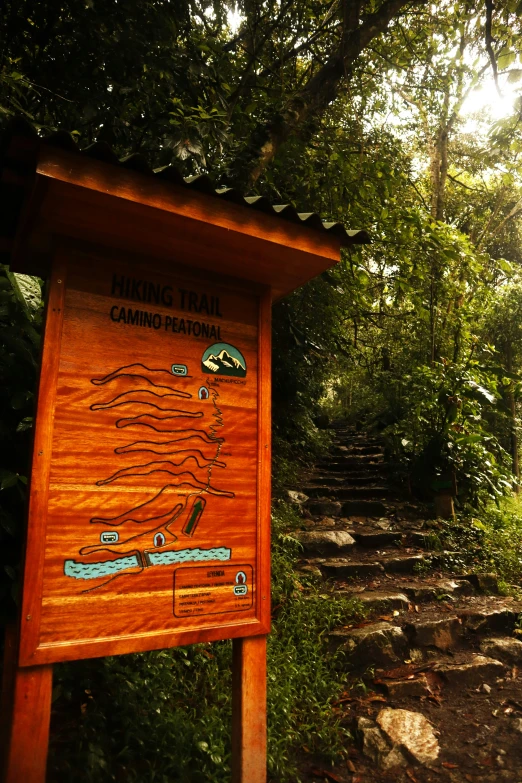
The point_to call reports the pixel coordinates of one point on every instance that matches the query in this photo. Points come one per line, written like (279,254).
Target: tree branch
(462,185)
(320,90)
(490,41)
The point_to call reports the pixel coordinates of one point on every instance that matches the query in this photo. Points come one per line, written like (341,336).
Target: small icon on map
(241,586)
(179,369)
(203,393)
(159,539)
(109,537)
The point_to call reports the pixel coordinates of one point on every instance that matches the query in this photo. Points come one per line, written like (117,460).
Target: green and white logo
(224,359)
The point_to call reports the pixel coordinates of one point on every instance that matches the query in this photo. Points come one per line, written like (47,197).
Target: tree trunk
(512,408)
(439,161)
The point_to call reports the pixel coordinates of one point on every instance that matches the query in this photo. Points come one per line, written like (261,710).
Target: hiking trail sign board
(147,451)
(149,514)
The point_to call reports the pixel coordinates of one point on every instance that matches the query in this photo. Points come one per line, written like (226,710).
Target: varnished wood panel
(147,461)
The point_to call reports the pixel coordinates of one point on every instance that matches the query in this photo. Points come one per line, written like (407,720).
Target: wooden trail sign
(149,515)
(146,461)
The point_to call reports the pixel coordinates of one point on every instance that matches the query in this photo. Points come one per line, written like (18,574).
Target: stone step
(377,539)
(357,450)
(326,542)
(348,492)
(339,568)
(364,508)
(365,462)
(343,452)
(469,670)
(339,480)
(465,669)
(444,633)
(422,592)
(324,508)
(404,564)
(485,620)
(377,601)
(358,441)
(374,644)
(507,650)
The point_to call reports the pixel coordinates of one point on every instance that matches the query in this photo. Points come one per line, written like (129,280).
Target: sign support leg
(9,664)
(249,710)
(27,742)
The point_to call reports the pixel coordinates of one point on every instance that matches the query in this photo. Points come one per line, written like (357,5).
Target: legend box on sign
(212,590)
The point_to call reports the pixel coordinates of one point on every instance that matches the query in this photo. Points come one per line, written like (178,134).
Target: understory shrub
(489,541)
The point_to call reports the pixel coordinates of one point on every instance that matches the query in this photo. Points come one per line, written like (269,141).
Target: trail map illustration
(175,442)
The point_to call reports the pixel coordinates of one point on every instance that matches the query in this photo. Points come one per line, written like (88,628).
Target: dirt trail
(437,651)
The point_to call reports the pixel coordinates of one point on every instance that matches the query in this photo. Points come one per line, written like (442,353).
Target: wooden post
(28,738)
(6,696)
(249,710)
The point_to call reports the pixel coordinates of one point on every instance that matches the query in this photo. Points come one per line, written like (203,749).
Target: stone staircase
(436,656)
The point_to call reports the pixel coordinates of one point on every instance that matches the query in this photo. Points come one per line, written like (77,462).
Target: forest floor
(435,670)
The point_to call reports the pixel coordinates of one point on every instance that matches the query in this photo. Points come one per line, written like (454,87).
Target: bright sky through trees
(486,97)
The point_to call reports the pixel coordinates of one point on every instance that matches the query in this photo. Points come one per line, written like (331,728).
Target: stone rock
(347,569)
(429,592)
(375,601)
(380,643)
(399,689)
(470,673)
(326,542)
(484,583)
(516,725)
(418,538)
(404,563)
(411,731)
(369,508)
(376,748)
(296,498)
(506,650)
(324,508)
(376,540)
(499,620)
(442,633)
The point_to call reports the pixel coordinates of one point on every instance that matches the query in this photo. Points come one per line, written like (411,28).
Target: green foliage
(442,428)
(20,321)
(166,715)
(490,541)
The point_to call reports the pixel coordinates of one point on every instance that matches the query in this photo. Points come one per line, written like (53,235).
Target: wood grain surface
(151,455)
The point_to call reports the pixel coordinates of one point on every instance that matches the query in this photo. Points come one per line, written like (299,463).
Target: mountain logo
(223,359)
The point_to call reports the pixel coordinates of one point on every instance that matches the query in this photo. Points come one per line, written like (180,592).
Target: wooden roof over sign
(73,187)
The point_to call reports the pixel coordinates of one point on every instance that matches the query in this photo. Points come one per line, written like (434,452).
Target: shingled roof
(19,145)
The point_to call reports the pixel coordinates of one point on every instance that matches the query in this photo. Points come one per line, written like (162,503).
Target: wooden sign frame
(33,650)
(83,213)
